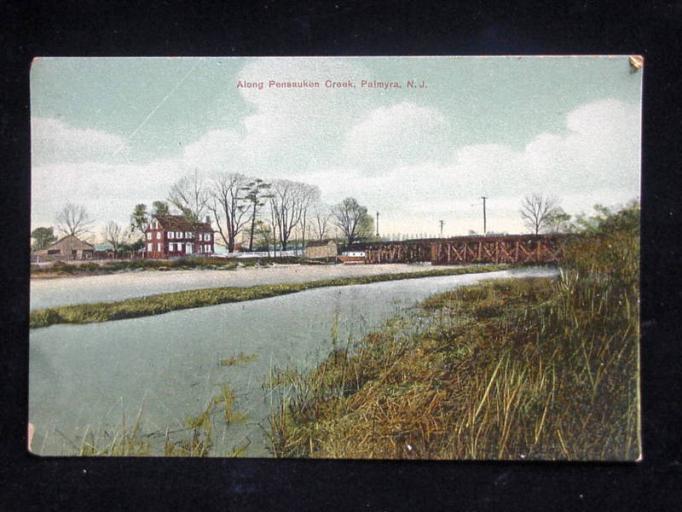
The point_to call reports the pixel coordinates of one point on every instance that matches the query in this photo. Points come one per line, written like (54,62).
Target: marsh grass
(514,369)
(166,302)
(195,439)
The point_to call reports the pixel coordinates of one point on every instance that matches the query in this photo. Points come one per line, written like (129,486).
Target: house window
(159,247)
(207,248)
(170,247)
(179,247)
(149,236)
(178,234)
(158,235)
(188,235)
(171,234)
(149,247)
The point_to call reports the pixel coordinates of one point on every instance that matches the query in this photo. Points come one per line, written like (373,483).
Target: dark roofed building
(67,248)
(169,236)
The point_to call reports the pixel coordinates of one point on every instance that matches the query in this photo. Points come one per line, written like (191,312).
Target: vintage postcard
(374,258)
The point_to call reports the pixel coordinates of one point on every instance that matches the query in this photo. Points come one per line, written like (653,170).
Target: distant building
(68,248)
(104,250)
(321,249)
(169,236)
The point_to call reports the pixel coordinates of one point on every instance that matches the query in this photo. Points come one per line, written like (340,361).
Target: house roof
(180,223)
(70,241)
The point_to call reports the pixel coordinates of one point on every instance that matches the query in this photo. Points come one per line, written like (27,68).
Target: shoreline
(50,293)
(173,301)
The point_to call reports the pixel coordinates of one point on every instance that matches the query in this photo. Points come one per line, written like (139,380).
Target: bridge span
(470,249)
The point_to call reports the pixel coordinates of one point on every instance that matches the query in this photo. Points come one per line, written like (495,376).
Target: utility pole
(377,224)
(484,219)
(441,222)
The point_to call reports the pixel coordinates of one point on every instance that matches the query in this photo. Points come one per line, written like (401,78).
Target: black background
(69,28)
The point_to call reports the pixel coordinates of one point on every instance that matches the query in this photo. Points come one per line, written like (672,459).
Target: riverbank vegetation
(514,369)
(64,269)
(166,302)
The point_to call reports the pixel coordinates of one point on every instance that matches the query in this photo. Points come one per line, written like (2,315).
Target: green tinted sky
(124,128)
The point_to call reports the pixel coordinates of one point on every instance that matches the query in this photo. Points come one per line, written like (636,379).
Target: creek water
(166,368)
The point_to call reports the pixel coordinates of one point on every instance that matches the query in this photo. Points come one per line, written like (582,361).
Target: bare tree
(536,211)
(228,207)
(289,206)
(115,235)
(189,195)
(73,220)
(309,196)
(351,219)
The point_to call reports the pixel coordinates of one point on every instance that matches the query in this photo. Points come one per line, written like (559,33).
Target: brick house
(170,236)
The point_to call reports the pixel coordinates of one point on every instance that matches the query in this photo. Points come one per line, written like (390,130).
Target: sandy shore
(109,287)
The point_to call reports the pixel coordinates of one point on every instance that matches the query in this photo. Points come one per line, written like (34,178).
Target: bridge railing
(464,250)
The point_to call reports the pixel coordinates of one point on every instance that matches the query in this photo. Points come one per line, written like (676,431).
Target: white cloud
(595,159)
(403,133)
(54,141)
(107,191)
(289,127)
(216,150)
(395,159)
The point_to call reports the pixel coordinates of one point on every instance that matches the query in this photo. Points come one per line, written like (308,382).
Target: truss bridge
(469,249)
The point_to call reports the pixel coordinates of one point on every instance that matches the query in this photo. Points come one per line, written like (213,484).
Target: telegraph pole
(377,224)
(484,219)
(441,222)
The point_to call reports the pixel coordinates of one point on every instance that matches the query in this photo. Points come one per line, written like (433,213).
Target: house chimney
(208,220)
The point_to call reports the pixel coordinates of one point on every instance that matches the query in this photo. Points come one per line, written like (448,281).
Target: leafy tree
(353,220)
(160,208)
(43,237)
(255,195)
(139,220)
(74,220)
(558,221)
(606,220)
(263,236)
(366,229)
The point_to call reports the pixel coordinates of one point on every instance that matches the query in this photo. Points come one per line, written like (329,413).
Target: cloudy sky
(108,133)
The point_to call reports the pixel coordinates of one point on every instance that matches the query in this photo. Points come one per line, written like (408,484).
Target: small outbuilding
(322,249)
(68,248)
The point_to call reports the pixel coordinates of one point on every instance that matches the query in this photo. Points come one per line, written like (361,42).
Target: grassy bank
(64,269)
(517,369)
(166,302)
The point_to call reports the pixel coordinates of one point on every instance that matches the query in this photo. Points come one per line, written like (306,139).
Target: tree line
(264,214)
(240,208)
